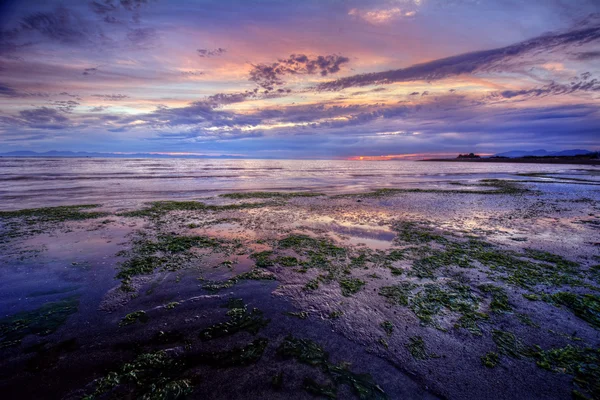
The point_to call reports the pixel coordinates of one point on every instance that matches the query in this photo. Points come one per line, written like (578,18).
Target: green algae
(499,303)
(42,321)
(308,352)
(269,195)
(491,359)
(298,314)
(351,286)
(312,284)
(388,327)
(171,305)
(166,252)
(305,351)
(586,306)
(287,261)
(498,186)
(416,347)
(304,244)
(263,259)
(151,376)
(316,389)
(134,317)
(236,357)
(397,294)
(157,209)
(255,274)
(410,232)
(240,319)
(582,363)
(509,345)
(429,301)
(54,214)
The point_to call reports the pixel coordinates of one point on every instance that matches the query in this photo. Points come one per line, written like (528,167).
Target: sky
(300,79)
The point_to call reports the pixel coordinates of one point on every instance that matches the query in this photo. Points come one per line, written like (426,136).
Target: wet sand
(484,289)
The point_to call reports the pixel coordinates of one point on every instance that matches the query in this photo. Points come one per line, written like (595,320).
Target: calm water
(34,182)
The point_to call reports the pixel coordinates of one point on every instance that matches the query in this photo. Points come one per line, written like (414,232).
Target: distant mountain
(542,153)
(55,153)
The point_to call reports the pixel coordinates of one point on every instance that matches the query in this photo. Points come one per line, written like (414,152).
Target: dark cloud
(270,75)
(66,106)
(43,118)
(111,97)
(467,63)
(89,71)
(582,84)
(60,25)
(587,55)
(142,37)
(206,53)
(8,91)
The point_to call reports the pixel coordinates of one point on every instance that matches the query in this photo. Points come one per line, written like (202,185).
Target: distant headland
(575,156)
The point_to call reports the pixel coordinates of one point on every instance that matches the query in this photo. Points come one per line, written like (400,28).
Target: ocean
(38,182)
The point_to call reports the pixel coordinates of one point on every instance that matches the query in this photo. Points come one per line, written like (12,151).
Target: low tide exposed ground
(486,291)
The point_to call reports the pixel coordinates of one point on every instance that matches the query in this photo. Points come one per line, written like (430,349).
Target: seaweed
(157,209)
(586,306)
(287,261)
(151,376)
(582,363)
(299,314)
(430,300)
(299,242)
(351,286)
(42,321)
(410,232)
(508,344)
(308,352)
(236,357)
(167,252)
(304,350)
(268,195)
(133,317)
(397,294)
(54,214)
(323,391)
(388,327)
(490,360)
(263,259)
(240,319)
(499,303)
(416,347)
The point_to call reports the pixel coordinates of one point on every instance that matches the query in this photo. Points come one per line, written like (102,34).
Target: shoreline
(572,161)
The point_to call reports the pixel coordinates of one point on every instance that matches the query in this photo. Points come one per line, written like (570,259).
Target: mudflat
(486,289)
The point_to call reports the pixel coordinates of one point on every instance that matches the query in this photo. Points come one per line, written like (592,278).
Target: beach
(272,279)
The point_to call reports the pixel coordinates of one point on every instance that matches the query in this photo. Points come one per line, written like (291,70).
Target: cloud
(8,91)
(66,106)
(111,97)
(270,75)
(43,118)
(468,63)
(89,71)
(61,25)
(206,53)
(582,84)
(142,37)
(381,16)
(587,55)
